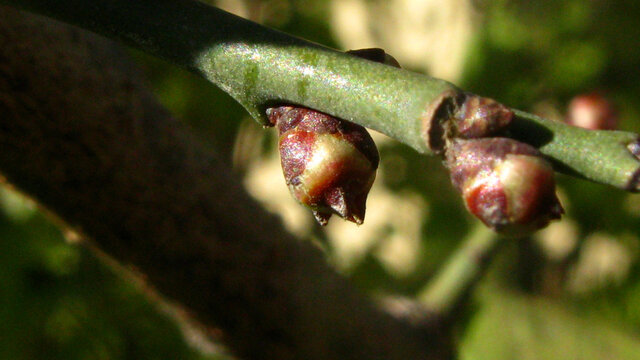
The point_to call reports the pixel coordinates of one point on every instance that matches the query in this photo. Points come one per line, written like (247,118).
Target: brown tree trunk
(80,133)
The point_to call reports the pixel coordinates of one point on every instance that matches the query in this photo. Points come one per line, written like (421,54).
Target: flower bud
(479,116)
(329,164)
(507,184)
(592,111)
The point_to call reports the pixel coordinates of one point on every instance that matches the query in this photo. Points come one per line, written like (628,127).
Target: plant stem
(451,285)
(599,155)
(261,67)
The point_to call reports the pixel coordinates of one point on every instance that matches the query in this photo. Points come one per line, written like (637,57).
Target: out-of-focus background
(571,291)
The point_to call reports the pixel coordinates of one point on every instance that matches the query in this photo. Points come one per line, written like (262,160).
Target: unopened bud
(329,164)
(592,111)
(507,184)
(479,116)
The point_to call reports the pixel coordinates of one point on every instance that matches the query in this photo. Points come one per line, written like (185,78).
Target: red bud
(479,116)
(507,184)
(329,164)
(592,111)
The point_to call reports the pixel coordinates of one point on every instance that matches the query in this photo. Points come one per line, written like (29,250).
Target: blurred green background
(571,291)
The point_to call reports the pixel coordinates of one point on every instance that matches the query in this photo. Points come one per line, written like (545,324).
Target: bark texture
(80,134)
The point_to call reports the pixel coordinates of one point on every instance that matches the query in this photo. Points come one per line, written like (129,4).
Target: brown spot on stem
(376,55)
(436,118)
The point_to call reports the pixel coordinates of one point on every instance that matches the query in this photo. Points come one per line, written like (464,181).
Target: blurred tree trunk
(80,133)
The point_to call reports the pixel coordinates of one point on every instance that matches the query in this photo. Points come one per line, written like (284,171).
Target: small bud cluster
(507,184)
(330,164)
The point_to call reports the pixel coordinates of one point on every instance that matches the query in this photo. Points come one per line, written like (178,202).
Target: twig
(452,283)
(599,155)
(261,67)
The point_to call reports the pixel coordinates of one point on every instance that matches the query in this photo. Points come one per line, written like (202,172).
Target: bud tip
(322,217)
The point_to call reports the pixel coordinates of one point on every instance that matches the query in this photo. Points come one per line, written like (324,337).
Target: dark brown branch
(79,133)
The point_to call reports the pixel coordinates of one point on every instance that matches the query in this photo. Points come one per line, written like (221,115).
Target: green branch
(261,67)
(450,286)
(599,155)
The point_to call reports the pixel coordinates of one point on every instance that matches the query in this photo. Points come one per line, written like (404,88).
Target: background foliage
(572,291)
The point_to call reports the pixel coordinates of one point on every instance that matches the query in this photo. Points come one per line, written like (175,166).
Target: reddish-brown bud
(507,184)
(479,116)
(329,164)
(592,111)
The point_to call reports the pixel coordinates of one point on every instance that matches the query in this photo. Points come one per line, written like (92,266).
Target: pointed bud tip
(336,200)
(322,217)
(355,212)
(347,207)
(357,220)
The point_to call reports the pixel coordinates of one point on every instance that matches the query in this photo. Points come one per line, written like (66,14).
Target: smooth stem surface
(461,272)
(598,155)
(261,67)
